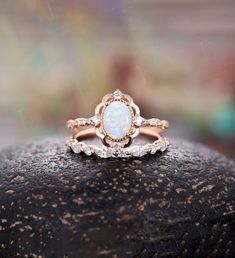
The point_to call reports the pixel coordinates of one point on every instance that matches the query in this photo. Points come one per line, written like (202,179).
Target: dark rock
(54,203)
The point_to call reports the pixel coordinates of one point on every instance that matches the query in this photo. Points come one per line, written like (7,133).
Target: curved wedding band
(117,122)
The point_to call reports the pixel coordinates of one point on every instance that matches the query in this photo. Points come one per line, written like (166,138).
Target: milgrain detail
(116,150)
(117,122)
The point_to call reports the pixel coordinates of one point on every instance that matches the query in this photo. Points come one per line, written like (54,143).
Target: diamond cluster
(139,121)
(155,122)
(117,94)
(117,151)
(94,121)
(117,121)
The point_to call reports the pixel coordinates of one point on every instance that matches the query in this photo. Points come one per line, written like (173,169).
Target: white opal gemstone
(117,120)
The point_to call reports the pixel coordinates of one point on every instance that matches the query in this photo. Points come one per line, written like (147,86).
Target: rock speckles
(57,204)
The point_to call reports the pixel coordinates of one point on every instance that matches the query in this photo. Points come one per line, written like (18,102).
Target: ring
(117,122)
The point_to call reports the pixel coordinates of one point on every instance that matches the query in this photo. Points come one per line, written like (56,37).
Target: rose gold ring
(117,122)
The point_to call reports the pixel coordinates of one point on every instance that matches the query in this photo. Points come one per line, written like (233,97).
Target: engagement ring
(117,122)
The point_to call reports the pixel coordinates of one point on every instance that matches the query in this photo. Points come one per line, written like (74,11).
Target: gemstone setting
(117,94)
(116,151)
(117,120)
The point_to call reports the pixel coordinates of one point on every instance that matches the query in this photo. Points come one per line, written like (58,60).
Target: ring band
(117,122)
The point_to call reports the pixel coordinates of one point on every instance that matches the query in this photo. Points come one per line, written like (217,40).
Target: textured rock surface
(57,204)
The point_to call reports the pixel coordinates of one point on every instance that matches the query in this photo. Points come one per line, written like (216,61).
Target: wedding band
(117,122)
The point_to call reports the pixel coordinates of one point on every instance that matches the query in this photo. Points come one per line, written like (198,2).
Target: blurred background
(176,59)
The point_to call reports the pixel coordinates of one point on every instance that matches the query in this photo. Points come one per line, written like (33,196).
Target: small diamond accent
(116,149)
(80,121)
(76,147)
(103,152)
(136,151)
(163,145)
(153,149)
(107,153)
(124,153)
(153,122)
(70,124)
(87,150)
(139,120)
(143,150)
(95,120)
(117,94)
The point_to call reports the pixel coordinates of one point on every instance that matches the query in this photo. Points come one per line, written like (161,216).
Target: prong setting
(107,100)
(117,151)
(117,121)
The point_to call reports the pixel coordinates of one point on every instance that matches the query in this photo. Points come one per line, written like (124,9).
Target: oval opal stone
(117,120)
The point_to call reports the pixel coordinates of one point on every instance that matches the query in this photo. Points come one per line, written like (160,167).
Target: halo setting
(117,122)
